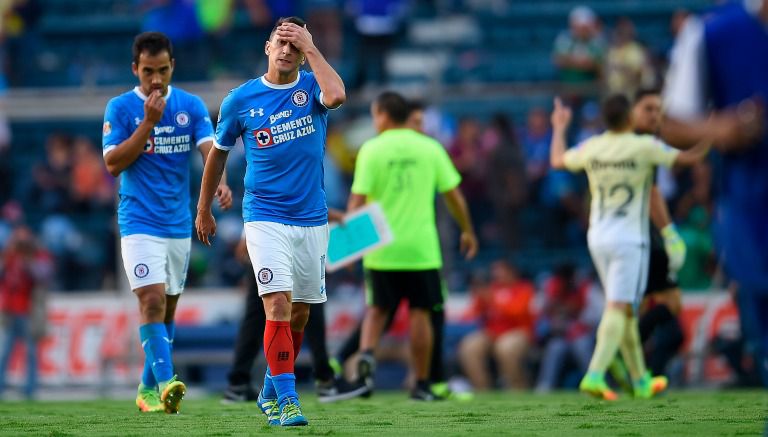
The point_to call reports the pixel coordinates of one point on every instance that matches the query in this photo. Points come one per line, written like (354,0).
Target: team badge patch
(265,276)
(141,270)
(300,98)
(107,129)
(182,119)
(263,137)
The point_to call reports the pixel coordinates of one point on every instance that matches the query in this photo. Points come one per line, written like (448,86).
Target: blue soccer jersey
(283,128)
(719,61)
(154,189)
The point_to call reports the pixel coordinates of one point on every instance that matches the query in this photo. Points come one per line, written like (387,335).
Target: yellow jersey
(620,168)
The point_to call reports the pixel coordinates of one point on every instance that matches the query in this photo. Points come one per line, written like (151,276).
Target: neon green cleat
(441,389)
(594,384)
(172,393)
(648,386)
(148,400)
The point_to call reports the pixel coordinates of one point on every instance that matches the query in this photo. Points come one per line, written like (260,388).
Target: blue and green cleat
(649,386)
(270,409)
(290,414)
(594,384)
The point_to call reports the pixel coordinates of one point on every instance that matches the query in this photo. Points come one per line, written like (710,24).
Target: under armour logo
(283,356)
(259,111)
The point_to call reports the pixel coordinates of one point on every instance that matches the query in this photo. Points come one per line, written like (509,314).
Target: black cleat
(338,389)
(239,393)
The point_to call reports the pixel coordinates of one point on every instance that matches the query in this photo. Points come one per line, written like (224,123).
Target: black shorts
(422,288)
(659,277)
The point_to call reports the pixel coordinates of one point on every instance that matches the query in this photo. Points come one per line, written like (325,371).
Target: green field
(698,413)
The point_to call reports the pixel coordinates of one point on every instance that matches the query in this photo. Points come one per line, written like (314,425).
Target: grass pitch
(698,413)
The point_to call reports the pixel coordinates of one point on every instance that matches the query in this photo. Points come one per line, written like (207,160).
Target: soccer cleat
(338,389)
(648,386)
(148,401)
(270,409)
(423,392)
(290,414)
(659,384)
(366,366)
(594,385)
(239,393)
(172,394)
(441,389)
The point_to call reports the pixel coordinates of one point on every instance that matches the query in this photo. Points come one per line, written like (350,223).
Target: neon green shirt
(402,170)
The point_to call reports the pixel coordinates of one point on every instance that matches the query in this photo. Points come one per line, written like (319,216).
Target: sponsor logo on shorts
(283,356)
(264,276)
(300,98)
(141,270)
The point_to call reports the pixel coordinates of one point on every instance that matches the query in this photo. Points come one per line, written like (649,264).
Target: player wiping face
(285,51)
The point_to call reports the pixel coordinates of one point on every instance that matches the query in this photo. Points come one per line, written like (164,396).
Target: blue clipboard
(363,231)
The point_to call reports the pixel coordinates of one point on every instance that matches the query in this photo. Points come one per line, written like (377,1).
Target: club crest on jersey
(107,129)
(182,119)
(263,137)
(265,276)
(141,270)
(300,98)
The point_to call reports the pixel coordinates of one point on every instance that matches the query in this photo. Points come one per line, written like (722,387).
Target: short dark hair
(281,20)
(644,92)
(616,110)
(394,105)
(416,105)
(152,43)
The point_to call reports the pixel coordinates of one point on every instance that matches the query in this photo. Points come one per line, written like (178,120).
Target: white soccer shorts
(623,270)
(155,260)
(289,258)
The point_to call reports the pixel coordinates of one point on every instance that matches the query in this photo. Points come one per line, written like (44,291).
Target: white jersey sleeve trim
(220,147)
(685,94)
(205,139)
(326,107)
(108,149)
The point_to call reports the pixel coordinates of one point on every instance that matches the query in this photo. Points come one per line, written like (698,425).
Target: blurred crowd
(517,203)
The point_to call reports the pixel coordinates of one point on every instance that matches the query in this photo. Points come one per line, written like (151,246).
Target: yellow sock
(632,349)
(609,336)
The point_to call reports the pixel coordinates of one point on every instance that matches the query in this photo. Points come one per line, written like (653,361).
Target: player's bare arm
(729,131)
(205,224)
(561,118)
(355,202)
(334,94)
(335,215)
(223,192)
(694,155)
(658,209)
(457,207)
(119,158)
